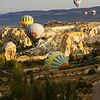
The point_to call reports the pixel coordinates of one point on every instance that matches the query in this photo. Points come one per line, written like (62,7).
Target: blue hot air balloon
(56,60)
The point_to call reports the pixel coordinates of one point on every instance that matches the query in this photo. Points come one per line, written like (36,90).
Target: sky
(21,5)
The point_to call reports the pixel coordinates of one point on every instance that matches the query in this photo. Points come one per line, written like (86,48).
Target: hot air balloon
(35,30)
(27,20)
(56,60)
(85,13)
(77,2)
(93,12)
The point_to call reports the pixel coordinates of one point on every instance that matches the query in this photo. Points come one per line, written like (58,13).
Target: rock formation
(16,35)
(10,50)
(70,38)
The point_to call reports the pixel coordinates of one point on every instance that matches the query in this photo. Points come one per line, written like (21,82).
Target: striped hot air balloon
(26,20)
(56,60)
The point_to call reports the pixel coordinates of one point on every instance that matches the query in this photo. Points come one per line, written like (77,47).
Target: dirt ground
(96,92)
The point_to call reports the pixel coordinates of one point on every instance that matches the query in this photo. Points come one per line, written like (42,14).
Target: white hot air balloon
(85,13)
(77,2)
(93,12)
(35,30)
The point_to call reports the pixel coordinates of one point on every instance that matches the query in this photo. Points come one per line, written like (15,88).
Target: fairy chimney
(10,50)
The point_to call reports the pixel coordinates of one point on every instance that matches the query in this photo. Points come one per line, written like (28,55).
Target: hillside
(13,18)
(80,41)
(75,38)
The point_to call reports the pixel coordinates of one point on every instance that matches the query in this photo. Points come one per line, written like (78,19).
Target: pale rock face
(73,43)
(57,30)
(70,42)
(10,50)
(5,31)
(93,33)
(17,35)
(27,42)
(73,39)
(15,32)
(22,37)
(65,43)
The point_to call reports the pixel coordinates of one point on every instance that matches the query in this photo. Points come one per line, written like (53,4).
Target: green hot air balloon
(56,60)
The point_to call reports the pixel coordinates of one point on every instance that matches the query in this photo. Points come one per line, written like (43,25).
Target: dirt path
(96,91)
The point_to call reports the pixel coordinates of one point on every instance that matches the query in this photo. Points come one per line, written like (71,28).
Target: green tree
(70,92)
(17,83)
(50,89)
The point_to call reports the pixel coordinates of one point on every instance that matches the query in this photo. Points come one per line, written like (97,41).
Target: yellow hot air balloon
(56,60)
(27,20)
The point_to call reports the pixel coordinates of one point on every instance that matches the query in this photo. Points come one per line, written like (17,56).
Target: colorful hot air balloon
(27,20)
(77,2)
(35,30)
(56,60)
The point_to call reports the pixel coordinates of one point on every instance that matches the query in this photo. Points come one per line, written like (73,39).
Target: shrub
(92,71)
(2,61)
(50,89)
(16,84)
(11,64)
(83,87)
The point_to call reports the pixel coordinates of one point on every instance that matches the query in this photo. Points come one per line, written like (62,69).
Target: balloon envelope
(56,60)
(94,12)
(85,13)
(27,20)
(77,2)
(35,30)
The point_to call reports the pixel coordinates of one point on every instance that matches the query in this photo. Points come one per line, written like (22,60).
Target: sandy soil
(96,91)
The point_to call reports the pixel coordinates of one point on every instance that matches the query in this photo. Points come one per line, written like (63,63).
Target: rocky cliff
(78,38)
(75,39)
